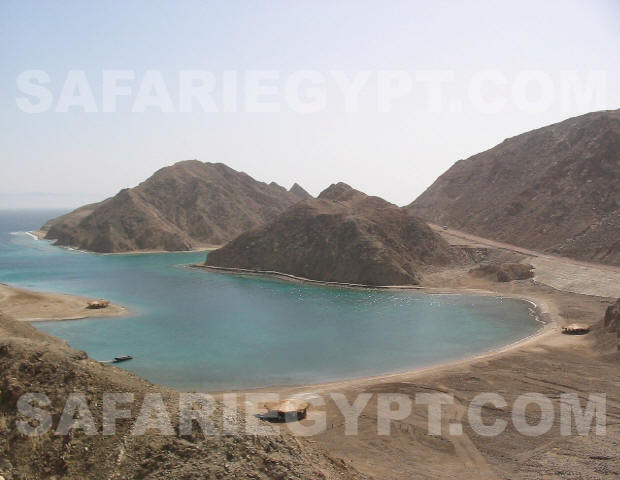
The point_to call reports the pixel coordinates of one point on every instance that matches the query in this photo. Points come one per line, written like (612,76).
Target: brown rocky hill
(34,362)
(344,236)
(184,206)
(555,189)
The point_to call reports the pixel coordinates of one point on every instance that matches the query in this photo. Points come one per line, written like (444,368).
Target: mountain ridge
(187,205)
(552,189)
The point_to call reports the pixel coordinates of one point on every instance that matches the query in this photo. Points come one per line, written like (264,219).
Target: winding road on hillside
(561,273)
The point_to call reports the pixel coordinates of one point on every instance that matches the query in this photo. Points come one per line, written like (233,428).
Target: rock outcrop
(611,321)
(612,317)
(342,236)
(504,272)
(188,205)
(554,189)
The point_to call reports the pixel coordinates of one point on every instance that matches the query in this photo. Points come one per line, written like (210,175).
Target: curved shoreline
(422,288)
(542,334)
(545,317)
(549,325)
(355,382)
(291,277)
(40,235)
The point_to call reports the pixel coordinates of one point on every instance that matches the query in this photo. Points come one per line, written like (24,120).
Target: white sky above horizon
(65,159)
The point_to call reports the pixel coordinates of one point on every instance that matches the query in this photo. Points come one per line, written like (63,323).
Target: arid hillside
(555,189)
(344,236)
(188,205)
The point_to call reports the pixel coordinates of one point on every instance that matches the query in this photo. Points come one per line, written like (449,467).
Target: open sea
(197,330)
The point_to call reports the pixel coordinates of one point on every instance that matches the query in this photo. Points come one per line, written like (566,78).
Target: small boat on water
(122,358)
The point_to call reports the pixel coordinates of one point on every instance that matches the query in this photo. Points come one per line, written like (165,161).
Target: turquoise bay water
(199,330)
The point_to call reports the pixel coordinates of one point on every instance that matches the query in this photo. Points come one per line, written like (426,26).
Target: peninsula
(186,206)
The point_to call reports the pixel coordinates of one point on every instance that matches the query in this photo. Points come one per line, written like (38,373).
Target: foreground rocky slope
(344,236)
(31,361)
(187,205)
(554,189)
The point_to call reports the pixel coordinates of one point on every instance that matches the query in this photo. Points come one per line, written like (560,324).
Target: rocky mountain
(343,235)
(184,206)
(555,189)
(299,192)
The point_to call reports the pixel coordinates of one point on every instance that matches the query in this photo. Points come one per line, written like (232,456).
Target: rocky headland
(186,206)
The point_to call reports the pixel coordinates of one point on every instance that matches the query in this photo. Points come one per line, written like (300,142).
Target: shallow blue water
(198,330)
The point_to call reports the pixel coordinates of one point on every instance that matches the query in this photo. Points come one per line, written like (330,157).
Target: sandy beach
(30,306)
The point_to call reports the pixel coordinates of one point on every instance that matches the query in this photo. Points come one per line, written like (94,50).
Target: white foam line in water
(25,233)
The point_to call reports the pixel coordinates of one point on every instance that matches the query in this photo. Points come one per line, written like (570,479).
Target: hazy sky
(536,53)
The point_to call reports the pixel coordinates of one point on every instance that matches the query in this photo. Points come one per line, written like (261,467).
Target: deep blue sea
(198,330)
